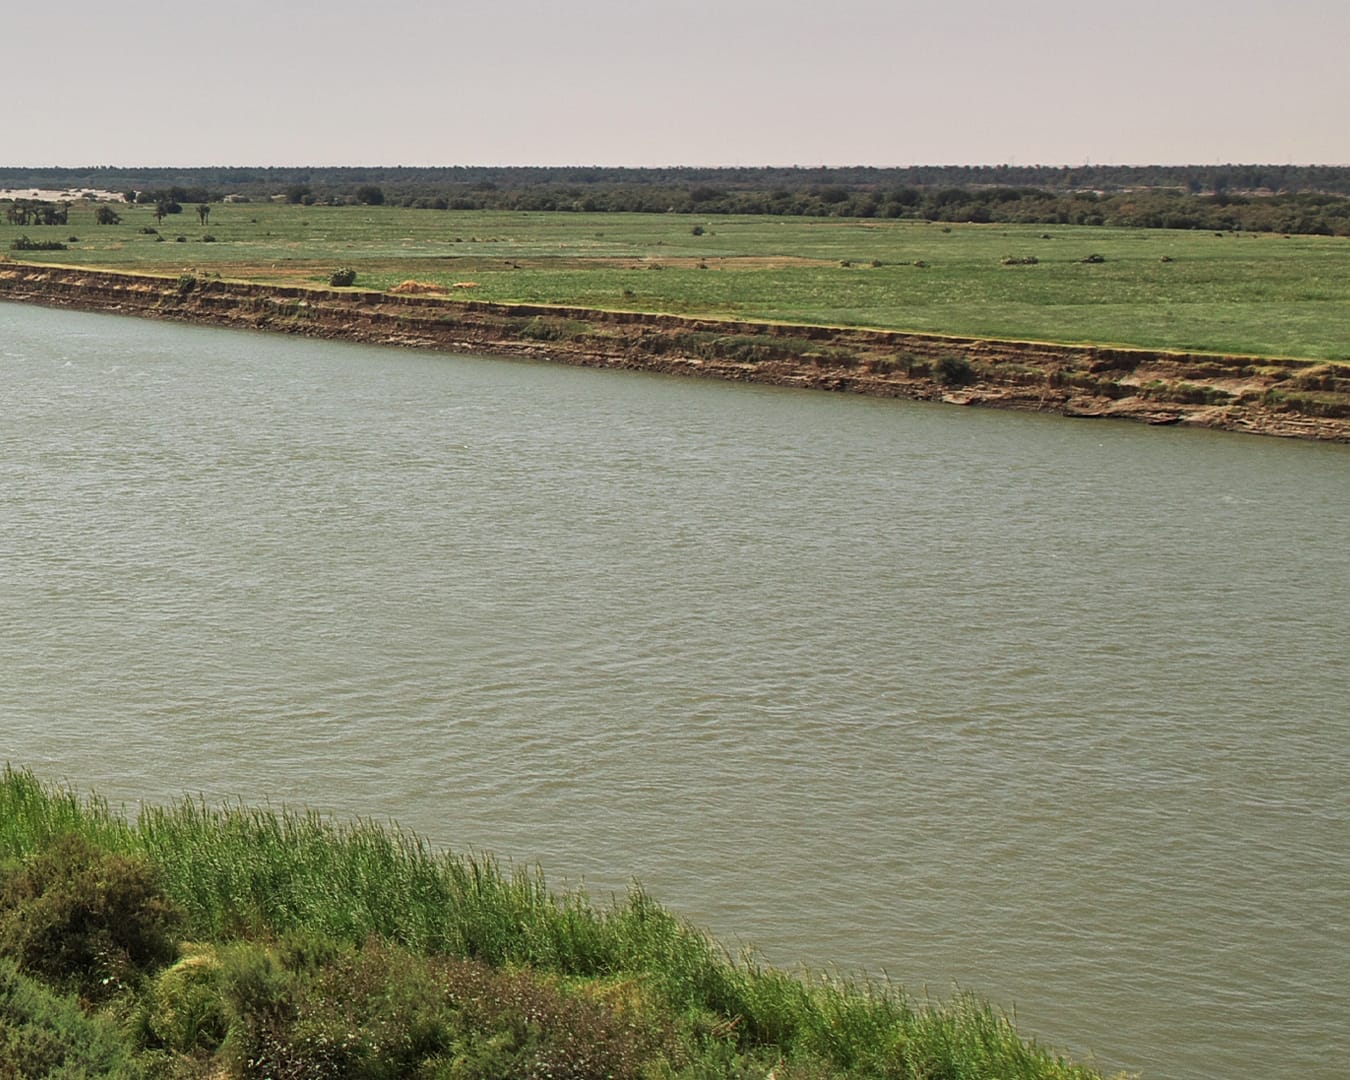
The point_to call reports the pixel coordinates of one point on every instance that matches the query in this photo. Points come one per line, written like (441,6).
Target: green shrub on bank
(184,1009)
(954,370)
(44,1034)
(86,920)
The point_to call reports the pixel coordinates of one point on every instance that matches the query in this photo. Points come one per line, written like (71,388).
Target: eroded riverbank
(1269,396)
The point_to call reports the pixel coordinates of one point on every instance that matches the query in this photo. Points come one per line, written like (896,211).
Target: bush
(543,328)
(43,1034)
(23,243)
(185,1010)
(343,277)
(185,284)
(85,919)
(1095,258)
(381,1011)
(954,371)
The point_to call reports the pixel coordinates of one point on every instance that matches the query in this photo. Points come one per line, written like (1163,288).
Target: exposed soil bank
(1301,398)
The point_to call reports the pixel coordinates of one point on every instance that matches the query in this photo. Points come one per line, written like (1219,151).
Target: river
(1052,710)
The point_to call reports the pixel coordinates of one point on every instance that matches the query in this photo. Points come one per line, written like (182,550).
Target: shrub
(1020,260)
(381,1011)
(697,230)
(208,239)
(85,919)
(106,215)
(185,284)
(184,1010)
(544,328)
(254,984)
(1095,258)
(342,277)
(43,1034)
(954,371)
(24,243)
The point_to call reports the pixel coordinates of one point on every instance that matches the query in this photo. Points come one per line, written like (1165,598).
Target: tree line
(1267,198)
(269,180)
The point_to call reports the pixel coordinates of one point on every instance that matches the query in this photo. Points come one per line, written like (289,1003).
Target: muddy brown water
(1051,710)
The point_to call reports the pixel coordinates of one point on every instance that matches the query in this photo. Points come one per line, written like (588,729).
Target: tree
(203,212)
(370,195)
(106,215)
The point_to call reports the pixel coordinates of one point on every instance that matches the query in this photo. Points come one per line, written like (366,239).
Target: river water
(1052,710)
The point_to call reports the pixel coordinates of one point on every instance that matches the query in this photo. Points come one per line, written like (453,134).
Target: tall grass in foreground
(261,874)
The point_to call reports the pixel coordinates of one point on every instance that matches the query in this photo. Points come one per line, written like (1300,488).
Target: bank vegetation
(191,941)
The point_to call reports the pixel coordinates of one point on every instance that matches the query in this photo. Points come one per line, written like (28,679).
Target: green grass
(308,935)
(1248,294)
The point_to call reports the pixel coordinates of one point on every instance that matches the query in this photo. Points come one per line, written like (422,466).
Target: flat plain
(1239,293)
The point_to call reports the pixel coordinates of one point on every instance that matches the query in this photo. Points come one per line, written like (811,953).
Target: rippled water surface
(1052,710)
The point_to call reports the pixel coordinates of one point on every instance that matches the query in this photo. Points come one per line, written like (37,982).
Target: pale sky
(682,82)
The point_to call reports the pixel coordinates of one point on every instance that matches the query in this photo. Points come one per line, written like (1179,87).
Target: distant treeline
(1268,198)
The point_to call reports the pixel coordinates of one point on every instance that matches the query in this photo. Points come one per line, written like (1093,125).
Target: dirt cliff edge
(1269,396)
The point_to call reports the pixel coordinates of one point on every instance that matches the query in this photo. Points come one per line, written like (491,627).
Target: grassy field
(255,943)
(1240,293)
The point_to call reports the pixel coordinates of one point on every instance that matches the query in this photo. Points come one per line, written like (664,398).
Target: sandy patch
(68,195)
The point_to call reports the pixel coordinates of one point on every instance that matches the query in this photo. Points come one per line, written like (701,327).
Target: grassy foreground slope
(1241,293)
(255,943)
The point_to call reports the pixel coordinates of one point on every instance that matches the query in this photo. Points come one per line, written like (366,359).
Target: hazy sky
(698,82)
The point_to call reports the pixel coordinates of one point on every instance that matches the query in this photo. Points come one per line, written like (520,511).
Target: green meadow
(1245,293)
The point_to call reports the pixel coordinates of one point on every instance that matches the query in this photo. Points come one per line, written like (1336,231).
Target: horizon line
(687,165)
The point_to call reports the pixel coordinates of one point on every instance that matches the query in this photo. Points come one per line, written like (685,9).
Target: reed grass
(261,874)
